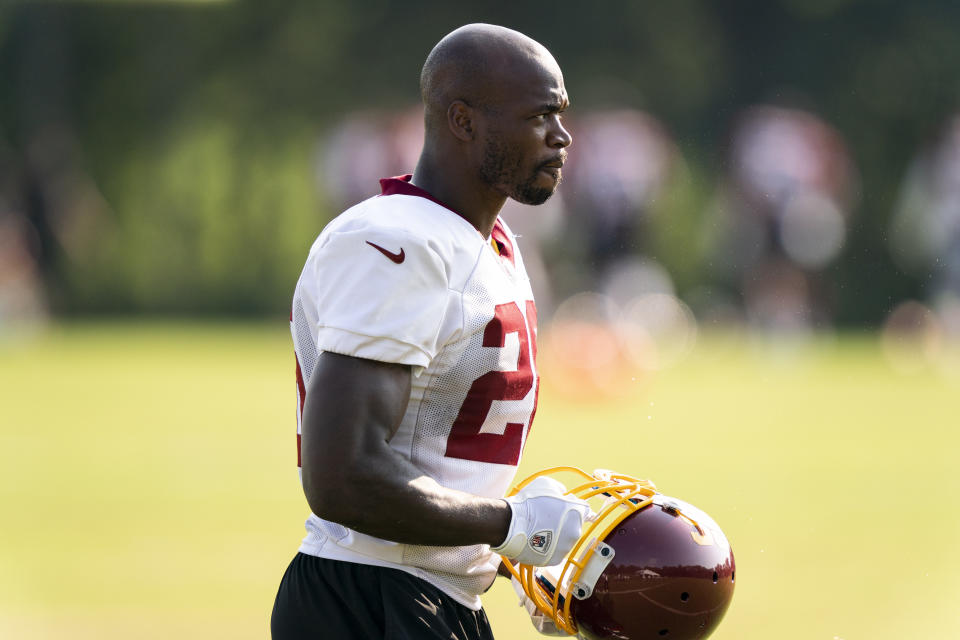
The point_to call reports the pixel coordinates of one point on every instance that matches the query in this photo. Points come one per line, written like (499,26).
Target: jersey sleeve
(380,294)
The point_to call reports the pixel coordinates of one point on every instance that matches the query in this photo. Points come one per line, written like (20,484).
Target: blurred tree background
(163,157)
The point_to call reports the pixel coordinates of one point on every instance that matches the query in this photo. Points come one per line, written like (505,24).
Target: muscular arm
(351,475)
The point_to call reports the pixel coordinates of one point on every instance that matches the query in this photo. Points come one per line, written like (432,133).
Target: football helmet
(646,565)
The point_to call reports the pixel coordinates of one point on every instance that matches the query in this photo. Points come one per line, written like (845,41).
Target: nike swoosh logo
(396,257)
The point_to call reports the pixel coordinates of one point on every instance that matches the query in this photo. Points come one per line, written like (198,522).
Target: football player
(415,334)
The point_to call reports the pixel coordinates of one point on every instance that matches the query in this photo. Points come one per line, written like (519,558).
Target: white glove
(545,523)
(541,622)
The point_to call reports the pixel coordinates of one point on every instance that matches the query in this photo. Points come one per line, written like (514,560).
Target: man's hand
(545,523)
(541,622)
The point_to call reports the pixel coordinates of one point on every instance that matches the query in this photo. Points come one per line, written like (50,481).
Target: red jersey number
(466,441)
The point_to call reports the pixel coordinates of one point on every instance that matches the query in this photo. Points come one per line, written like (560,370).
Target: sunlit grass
(148,483)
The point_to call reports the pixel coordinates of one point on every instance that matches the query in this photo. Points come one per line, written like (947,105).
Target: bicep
(352,408)
(350,471)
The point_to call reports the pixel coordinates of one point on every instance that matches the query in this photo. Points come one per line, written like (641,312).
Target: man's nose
(559,137)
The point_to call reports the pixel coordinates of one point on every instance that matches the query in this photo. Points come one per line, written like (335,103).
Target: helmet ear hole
(684,596)
(716,577)
(664,632)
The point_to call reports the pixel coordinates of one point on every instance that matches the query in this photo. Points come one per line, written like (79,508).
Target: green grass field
(148,481)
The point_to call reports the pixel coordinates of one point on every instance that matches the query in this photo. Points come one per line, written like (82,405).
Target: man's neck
(472,200)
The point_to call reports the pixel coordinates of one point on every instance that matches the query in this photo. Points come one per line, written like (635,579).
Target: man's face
(525,145)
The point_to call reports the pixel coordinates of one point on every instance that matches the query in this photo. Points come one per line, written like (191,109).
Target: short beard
(501,171)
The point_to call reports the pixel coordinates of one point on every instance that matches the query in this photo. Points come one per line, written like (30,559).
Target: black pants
(327,599)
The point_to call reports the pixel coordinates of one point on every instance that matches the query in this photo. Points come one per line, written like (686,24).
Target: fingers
(545,523)
(543,623)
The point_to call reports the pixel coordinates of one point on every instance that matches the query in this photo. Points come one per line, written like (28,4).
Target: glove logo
(540,541)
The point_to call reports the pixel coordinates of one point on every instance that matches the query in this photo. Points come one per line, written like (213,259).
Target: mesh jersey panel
(304,347)
(470,408)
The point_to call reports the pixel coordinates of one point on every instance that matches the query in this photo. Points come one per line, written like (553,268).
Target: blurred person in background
(925,230)
(366,146)
(21,291)
(622,163)
(415,333)
(782,216)
(25,242)
(50,216)
(612,292)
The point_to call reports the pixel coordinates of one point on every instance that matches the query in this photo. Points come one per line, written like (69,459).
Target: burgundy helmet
(646,566)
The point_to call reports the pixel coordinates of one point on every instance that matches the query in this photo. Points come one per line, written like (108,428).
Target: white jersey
(401,278)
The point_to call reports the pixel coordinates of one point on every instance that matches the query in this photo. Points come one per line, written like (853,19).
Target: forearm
(391,499)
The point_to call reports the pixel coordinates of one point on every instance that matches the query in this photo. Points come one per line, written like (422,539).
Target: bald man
(415,332)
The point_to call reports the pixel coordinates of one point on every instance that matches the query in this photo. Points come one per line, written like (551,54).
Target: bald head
(478,64)
(493,101)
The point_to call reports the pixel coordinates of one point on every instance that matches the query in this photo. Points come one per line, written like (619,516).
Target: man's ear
(460,120)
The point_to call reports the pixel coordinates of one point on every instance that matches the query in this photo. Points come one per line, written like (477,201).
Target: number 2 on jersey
(466,440)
